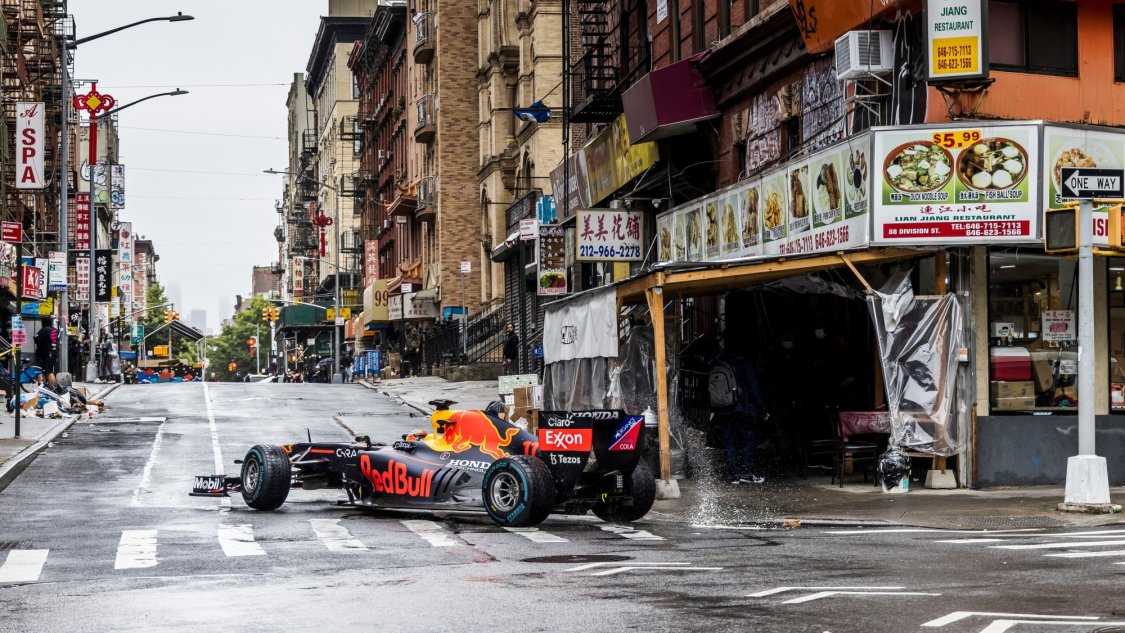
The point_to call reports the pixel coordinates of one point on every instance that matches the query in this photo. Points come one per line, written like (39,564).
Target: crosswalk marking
(335,537)
(238,540)
(974,540)
(536,535)
(433,533)
(630,533)
(136,550)
(1116,552)
(1061,545)
(23,565)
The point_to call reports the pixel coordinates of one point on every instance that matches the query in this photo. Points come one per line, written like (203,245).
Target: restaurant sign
(955,41)
(609,235)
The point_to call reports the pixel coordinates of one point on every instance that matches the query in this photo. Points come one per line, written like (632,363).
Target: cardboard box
(394,359)
(528,397)
(1012,404)
(999,329)
(525,418)
(1013,389)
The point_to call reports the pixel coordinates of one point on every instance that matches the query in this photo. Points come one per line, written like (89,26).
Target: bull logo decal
(466,429)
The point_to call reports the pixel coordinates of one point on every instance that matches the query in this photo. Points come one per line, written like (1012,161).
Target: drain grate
(1007,522)
(11,545)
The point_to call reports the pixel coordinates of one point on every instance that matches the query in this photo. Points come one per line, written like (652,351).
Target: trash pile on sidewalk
(50,399)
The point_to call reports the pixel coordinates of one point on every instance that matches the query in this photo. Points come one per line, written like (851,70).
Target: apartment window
(1034,36)
(355,87)
(1119,42)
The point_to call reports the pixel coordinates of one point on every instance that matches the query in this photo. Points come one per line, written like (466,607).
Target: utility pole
(258,346)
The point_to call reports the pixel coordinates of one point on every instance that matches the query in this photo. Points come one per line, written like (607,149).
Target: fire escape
(595,95)
(306,238)
(30,71)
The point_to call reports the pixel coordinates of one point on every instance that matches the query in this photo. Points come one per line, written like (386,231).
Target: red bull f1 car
(471,460)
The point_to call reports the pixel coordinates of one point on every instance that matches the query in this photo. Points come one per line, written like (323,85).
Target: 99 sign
(956,139)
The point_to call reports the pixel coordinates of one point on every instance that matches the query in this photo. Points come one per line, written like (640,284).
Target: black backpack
(722,387)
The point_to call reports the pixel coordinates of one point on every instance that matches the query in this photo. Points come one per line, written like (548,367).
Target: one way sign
(1080,183)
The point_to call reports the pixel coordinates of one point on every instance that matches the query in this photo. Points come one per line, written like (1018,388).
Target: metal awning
(505,250)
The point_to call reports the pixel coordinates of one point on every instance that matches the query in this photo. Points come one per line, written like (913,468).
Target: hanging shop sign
(82,277)
(956,48)
(103,261)
(376,301)
(117,186)
(32,282)
(30,120)
(82,222)
(7,264)
(552,261)
(817,204)
(370,261)
(609,235)
(957,184)
(56,271)
(125,243)
(1058,326)
(43,264)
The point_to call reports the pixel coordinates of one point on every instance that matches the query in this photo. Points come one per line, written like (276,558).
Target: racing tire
(266,475)
(518,491)
(643,495)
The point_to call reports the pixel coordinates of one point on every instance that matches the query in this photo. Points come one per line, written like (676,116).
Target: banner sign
(370,261)
(376,301)
(552,261)
(56,271)
(43,265)
(7,263)
(955,39)
(11,232)
(30,120)
(103,261)
(82,276)
(584,327)
(609,235)
(32,281)
(117,186)
(82,222)
(125,243)
(964,184)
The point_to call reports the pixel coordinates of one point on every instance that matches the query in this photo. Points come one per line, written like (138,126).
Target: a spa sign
(968,183)
(955,40)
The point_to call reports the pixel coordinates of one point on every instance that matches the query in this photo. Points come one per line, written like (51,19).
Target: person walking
(413,350)
(737,405)
(511,349)
(46,346)
(105,358)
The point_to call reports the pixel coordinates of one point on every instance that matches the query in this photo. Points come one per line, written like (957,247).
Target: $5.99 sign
(956,139)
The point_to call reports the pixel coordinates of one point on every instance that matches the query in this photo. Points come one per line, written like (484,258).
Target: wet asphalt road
(98,534)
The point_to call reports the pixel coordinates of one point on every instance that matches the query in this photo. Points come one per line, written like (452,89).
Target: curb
(400,400)
(15,466)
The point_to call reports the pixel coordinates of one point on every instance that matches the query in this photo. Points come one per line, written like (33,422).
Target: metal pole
(464,322)
(64,205)
(335,320)
(19,310)
(91,320)
(522,356)
(1086,350)
(258,346)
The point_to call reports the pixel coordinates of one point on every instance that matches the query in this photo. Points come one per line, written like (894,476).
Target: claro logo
(570,440)
(395,480)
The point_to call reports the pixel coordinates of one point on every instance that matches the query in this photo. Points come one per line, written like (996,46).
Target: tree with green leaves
(231,345)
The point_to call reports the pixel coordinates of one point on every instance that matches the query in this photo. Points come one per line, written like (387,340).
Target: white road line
(630,533)
(777,590)
(238,540)
(632,563)
(23,565)
(433,533)
(1116,552)
(829,594)
(618,570)
(1087,534)
(1000,626)
(146,476)
(974,540)
(224,502)
(335,537)
(957,616)
(536,535)
(930,530)
(137,549)
(1061,545)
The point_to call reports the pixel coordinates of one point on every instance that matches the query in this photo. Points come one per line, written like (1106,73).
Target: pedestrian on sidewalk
(47,346)
(511,348)
(737,405)
(105,359)
(412,350)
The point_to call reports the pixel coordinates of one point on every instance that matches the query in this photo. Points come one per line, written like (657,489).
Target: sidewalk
(35,434)
(708,500)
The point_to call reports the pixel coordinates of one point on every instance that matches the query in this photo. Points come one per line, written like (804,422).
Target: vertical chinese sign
(103,260)
(552,260)
(82,222)
(370,261)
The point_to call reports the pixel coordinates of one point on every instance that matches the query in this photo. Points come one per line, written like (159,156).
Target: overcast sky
(200,195)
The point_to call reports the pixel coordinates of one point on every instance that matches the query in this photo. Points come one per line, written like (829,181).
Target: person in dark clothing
(511,348)
(736,419)
(46,346)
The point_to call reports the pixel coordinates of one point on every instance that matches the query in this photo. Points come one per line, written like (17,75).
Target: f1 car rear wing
(567,438)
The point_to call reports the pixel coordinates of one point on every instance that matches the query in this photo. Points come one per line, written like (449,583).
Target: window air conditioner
(860,54)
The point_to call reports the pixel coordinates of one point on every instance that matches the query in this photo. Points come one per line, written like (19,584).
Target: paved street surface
(99,534)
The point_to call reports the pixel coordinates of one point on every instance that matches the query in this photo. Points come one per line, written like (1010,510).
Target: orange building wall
(1092,97)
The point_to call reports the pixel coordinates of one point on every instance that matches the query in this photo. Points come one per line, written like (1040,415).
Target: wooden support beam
(940,288)
(655,299)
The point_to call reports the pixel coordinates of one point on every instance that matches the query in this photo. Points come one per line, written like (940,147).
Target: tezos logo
(569,334)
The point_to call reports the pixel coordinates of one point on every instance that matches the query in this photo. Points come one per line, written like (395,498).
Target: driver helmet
(496,408)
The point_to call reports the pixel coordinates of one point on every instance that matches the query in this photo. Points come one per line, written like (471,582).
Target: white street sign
(466,267)
(1085,183)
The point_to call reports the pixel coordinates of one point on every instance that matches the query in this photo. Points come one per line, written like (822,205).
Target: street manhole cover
(1008,522)
(577,558)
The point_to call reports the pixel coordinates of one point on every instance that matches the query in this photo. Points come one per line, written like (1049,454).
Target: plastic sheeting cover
(919,339)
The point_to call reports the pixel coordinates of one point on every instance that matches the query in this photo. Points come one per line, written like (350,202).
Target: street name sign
(1082,183)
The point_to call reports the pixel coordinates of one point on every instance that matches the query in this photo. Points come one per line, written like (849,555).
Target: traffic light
(252,342)
(167,316)
(1061,230)
(232,366)
(266,314)
(271,314)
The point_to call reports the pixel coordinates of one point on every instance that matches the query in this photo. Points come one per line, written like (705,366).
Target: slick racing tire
(266,475)
(643,495)
(518,491)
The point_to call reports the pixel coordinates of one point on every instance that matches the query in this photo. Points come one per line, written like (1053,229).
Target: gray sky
(201,197)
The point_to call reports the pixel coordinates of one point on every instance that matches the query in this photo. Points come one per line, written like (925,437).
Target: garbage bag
(893,466)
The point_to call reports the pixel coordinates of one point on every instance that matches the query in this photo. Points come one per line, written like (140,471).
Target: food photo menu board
(965,184)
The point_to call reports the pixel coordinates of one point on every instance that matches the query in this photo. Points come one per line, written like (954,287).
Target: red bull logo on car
(625,437)
(466,429)
(395,479)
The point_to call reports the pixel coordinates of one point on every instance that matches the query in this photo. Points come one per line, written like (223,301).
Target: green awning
(300,316)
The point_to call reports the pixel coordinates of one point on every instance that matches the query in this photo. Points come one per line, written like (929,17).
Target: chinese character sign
(82,222)
(32,281)
(82,274)
(371,261)
(29,145)
(103,262)
(117,187)
(552,260)
(609,235)
(125,243)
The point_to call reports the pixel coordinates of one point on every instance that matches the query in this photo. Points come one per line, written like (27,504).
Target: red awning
(668,101)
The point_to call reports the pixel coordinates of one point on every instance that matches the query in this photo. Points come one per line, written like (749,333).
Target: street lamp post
(336,335)
(91,368)
(64,194)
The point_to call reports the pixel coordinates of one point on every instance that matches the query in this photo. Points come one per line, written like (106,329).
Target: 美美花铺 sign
(609,235)
(955,39)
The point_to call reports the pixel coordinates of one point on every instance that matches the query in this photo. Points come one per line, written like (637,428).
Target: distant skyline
(194,163)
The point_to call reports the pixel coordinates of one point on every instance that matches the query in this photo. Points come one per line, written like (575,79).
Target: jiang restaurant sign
(955,39)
